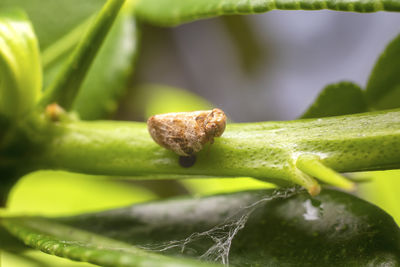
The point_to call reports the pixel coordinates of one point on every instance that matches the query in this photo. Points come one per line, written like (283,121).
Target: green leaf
(383,189)
(57,37)
(69,80)
(250,50)
(383,88)
(49,17)
(4,124)
(8,177)
(152,99)
(56,55)
(36,258)
(174,12)
(255,228)
(69,194)
(108,78)
(9,242)
(20,69)
(337,99)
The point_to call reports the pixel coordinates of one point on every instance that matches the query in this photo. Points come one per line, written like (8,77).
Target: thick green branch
(267,150)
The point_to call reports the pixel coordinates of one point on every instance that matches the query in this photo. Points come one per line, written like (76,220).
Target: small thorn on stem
(54,111)
(314,190)
(187,161)
(313,166)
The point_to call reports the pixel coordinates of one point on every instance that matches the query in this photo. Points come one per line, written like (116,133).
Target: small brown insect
(186,133)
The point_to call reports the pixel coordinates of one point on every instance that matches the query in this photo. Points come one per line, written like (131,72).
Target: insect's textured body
(186,133)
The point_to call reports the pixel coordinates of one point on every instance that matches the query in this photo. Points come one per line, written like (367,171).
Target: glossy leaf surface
(69,80)
(339,228)
(53,19)
(108,77)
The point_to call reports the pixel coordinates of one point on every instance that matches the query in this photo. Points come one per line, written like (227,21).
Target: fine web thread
(222,234)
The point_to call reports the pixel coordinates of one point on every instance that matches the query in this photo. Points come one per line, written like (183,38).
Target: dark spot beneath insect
(187,162)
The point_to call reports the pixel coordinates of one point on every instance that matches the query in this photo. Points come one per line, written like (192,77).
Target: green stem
(267,150)
(67,84)
(312,165)
(175,12)
(69,242)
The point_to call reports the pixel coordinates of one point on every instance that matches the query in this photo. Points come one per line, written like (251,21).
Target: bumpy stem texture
(174,12)
(267,150)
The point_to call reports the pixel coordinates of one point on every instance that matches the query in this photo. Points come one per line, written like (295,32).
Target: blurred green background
(256,68)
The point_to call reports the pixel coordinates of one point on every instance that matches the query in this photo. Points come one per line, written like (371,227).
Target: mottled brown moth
(186,133)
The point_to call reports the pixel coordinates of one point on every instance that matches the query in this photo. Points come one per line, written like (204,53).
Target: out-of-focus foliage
(67,83)
(71,193)
(330,222)
(383,88)
(58,34)
(337,99)
(20,68)
(174,12)
(60,26)
(108,78)
(157,99)
(53,19)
